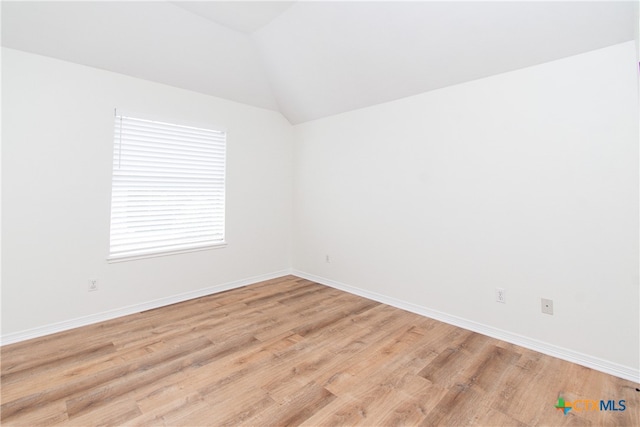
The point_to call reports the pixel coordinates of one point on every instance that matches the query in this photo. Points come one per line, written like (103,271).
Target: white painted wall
(526,180)
(637,27)
(57,137)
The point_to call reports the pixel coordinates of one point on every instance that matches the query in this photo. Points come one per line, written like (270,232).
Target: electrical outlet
(547,306)
(501,295)
(93,285)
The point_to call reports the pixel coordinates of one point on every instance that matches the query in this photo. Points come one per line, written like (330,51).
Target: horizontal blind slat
(152,144)
(161,126)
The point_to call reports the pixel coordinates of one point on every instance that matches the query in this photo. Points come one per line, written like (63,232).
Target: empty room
(270,213)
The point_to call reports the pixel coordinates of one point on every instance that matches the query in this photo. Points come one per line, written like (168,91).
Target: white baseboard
(586,360)
(582,359)
(132,309)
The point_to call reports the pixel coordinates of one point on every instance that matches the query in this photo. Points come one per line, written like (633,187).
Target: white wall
(57,137)
(637,27)
(526,181)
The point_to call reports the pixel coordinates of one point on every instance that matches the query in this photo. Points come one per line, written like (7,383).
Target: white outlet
(501,295)
(93,285)
(547,306)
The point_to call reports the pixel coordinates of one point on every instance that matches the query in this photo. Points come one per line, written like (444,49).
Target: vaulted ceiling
(311,59)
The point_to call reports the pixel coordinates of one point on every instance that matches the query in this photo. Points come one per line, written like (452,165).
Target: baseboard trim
(582,359)
(135,308)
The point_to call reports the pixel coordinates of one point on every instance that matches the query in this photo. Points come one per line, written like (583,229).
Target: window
(168,188)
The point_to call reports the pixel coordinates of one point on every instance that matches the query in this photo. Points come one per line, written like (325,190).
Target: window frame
(218,206)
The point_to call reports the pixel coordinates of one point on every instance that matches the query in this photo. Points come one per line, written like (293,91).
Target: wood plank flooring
(292,352)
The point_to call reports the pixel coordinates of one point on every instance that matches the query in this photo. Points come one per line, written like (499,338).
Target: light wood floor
(293,352)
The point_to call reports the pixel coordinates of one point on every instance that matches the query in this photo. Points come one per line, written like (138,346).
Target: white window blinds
(168,188)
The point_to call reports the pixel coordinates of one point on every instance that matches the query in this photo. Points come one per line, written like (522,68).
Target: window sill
(124,258)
